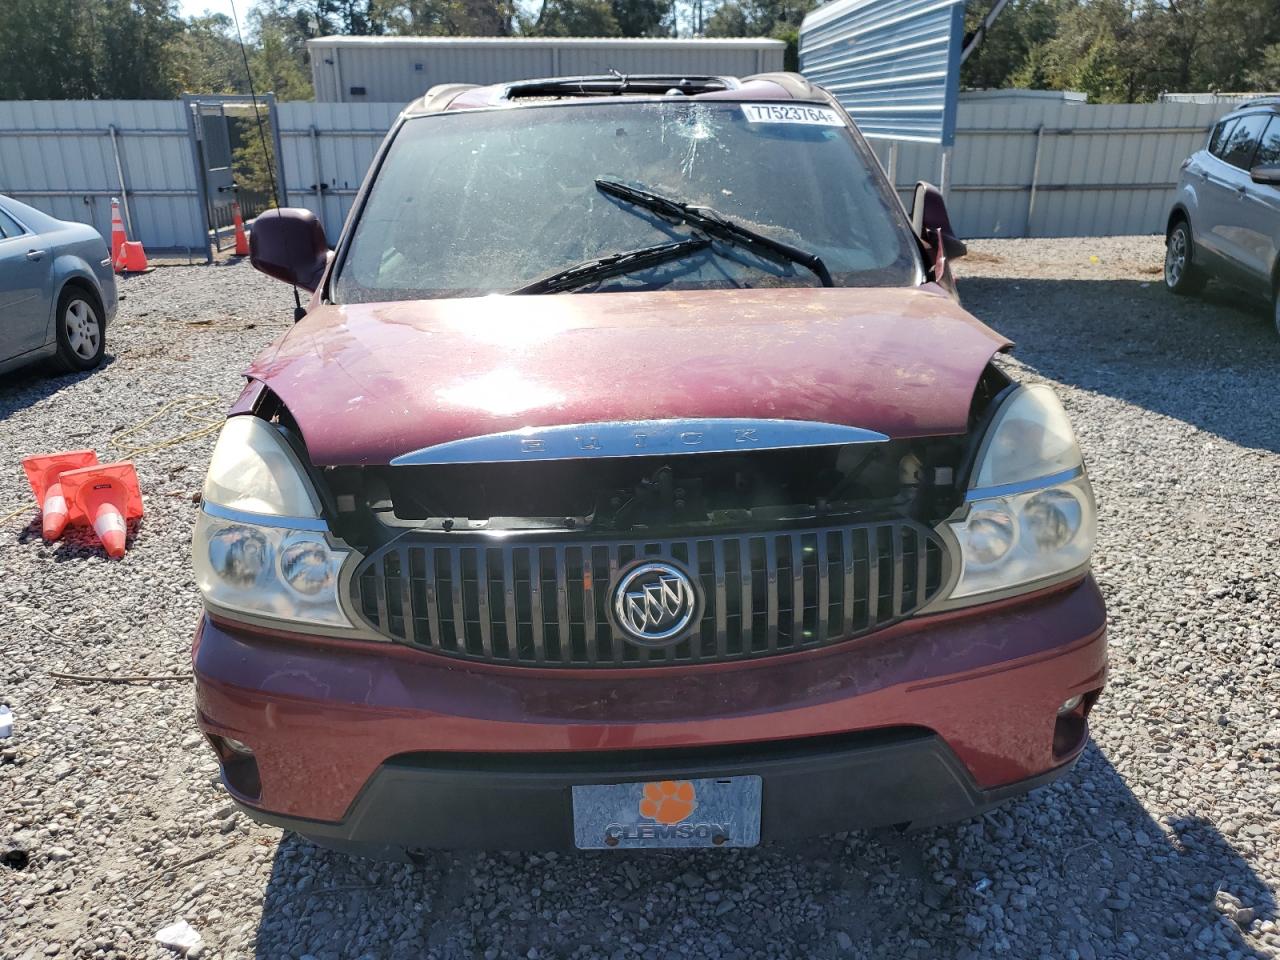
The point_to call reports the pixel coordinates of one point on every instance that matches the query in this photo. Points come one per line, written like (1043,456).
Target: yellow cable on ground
(22,509)
(190,407)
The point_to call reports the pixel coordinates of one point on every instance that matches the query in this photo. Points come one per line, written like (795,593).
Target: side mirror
(288,243)
(1269,175)
(932,225)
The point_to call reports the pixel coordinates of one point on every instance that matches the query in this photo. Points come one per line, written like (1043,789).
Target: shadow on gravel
(1077,870)
(1209,361)
(76,543)
(27,386)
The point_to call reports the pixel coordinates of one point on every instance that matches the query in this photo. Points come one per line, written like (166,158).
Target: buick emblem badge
(655,603)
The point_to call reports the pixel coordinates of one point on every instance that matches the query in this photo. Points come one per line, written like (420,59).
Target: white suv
(1225,220)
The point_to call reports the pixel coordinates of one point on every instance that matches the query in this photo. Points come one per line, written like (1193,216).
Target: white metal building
(1229,99)
(398,69)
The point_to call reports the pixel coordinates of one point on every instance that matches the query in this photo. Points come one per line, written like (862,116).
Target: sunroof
(615,85)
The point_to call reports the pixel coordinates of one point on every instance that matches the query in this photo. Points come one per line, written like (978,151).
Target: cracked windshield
(475,203)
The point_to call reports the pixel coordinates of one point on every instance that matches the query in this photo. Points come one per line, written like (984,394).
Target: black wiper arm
(613,265)
(714,224)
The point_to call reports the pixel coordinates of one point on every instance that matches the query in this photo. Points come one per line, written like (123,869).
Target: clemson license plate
(721,812)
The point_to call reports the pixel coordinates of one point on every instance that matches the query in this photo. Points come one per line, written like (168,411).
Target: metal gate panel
(215,151)
(211,152)
(60,157)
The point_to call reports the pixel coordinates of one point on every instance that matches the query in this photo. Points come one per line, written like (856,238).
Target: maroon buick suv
(634,479)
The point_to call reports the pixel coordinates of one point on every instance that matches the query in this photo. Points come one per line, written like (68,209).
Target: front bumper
(523,801)
(929,720)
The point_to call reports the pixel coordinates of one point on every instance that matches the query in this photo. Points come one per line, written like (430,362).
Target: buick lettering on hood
(633,478)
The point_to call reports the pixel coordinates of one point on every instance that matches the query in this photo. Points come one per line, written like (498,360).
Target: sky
(193,8)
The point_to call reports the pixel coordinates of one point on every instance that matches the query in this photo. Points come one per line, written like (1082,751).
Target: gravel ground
(1163,843)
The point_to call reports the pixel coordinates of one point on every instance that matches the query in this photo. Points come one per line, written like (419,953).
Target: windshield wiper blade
(715,224)
(614,265)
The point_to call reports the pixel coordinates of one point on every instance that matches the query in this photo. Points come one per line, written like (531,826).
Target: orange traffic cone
(109,497)
(44,473)
(131,258)
(242,241)
(118,236)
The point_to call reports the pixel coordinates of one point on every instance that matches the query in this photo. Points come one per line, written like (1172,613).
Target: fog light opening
(239,767)
(1069,733)
(1071,727)
(242,749)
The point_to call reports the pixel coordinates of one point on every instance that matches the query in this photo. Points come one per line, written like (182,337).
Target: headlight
(260,546)
(253,469)
(990,533)
(1030,438)
(1030,514)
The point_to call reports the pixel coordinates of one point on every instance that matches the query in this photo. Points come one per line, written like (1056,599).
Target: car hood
(367,383)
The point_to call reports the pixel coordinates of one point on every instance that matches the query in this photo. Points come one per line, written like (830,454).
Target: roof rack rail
(1268,101)
(799,87)
(617,84)
(438,97)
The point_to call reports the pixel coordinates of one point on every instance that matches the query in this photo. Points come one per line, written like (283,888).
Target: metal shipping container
(398,69)
(893,64)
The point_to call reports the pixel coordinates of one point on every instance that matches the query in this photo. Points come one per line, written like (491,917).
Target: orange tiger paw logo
(667,801)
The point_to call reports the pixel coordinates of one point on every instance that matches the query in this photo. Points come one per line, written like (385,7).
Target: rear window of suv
(1269,147)
(480,202)
(1242,141)
(1218,140)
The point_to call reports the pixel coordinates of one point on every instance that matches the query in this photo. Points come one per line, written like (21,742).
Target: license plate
(719,812)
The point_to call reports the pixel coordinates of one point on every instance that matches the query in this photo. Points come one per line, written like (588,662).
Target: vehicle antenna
(298,312)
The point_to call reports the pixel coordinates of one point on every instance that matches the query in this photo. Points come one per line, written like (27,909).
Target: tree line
(1130,51)
(1114,50)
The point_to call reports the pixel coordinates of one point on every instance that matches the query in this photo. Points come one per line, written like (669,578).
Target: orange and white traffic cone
(127,256)
(242,241)
(132,258)
(44,473)
(109,497)
(118,236)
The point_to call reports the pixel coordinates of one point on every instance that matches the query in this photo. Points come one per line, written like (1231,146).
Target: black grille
(545,603)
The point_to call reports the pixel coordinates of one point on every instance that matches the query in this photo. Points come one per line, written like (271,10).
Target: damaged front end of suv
(667,489)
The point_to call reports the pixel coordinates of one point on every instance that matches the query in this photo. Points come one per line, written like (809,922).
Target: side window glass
(1269,148)
(9,227)
(1242,142)
(1219,138)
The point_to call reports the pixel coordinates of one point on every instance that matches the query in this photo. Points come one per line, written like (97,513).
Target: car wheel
(1275,309)
(1180,274)
(80,330)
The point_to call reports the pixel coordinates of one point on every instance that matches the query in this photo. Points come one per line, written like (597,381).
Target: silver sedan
(57,290)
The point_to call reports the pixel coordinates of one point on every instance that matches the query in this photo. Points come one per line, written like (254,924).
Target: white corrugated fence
(70,157)
(326,150)
(1030,165)
(1044,167)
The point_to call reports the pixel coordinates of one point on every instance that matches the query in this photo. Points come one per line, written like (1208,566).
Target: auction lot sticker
(791,113)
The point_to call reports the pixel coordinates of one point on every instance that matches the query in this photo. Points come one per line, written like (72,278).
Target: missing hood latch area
(915,478)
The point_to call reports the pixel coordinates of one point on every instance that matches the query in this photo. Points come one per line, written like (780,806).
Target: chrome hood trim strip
(1023,486)
(638,438)
(313,524)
